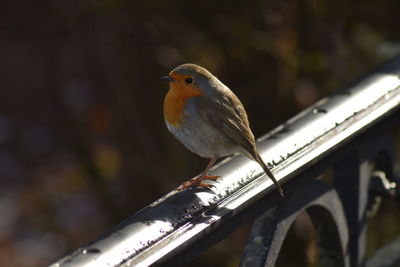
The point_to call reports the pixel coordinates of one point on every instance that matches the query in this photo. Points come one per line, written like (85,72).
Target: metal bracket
(322,204)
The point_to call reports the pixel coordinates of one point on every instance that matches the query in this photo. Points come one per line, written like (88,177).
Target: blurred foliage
(82,137)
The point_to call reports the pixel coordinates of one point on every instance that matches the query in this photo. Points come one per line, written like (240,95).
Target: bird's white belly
(203,139)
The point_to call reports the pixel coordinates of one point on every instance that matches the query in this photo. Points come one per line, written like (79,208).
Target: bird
(209,119)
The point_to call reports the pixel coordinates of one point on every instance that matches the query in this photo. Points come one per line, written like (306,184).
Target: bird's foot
(198,181)
(211,177)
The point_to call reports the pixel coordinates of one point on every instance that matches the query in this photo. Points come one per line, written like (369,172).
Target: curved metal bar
(352,174)
(326,212)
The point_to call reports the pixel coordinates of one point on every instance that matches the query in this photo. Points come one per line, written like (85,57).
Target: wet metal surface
(179,219)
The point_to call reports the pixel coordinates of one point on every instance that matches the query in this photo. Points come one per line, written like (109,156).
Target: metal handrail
(180,220)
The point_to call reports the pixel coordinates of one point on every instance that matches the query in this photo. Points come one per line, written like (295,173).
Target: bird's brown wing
(228,116)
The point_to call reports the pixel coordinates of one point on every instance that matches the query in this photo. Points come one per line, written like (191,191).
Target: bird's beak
(167,78)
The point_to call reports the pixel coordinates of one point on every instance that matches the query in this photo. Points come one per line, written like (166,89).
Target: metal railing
(347,132)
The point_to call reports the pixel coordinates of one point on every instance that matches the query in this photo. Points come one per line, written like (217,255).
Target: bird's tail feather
(268,172)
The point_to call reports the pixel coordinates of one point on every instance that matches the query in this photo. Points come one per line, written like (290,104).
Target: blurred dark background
(83,143)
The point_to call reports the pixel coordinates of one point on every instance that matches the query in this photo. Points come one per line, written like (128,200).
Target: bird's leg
(198,181)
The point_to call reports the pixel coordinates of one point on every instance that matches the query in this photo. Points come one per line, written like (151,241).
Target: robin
(209,119)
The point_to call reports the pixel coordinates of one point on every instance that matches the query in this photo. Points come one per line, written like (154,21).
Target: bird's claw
(211,177)
(198,182)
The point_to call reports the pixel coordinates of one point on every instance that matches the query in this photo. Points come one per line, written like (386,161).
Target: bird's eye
(189,80)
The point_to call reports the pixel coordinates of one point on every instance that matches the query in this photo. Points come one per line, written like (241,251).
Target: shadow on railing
(348,133)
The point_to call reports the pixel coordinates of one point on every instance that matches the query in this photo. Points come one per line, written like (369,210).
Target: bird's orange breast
(175,102)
